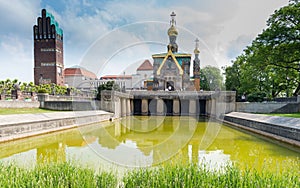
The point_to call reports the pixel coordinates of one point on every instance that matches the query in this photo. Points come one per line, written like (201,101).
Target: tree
(110,85)
(211,78)
(271,64)
(279,44)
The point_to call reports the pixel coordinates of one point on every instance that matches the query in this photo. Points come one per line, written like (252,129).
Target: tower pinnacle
(172,32)
(197,51)
(173,21)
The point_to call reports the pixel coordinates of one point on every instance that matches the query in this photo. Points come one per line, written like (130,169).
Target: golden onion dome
(172,31)
(196,51)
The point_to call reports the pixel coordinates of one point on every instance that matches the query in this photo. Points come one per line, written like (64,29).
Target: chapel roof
(146,65)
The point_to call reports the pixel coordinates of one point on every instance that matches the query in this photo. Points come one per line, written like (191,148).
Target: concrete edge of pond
(18,126)
(282,129)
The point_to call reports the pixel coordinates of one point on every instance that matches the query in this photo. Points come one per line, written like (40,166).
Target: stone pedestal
(42,97)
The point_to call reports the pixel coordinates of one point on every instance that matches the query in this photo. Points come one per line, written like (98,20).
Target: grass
(7,111)
(192,176)
(70,175)
(293,115)
(54,175)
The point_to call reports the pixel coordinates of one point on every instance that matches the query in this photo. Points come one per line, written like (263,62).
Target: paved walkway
(285,129)
(18,126)
(12,119)
(274,120)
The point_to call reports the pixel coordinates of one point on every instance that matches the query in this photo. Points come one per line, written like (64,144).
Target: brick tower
(48,50)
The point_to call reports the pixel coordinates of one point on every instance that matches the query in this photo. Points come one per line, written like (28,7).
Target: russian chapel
(171,70)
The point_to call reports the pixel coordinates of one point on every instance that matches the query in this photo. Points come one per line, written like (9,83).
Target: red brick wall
(54,57)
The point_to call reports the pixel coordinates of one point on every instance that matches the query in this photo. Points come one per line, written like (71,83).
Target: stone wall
(67,103)
(281,128)
(116,102)
(257,107)
(19,104)
(268,107)
(71,105)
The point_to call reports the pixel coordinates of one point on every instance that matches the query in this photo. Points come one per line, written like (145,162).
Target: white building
(143,73)
(85,80)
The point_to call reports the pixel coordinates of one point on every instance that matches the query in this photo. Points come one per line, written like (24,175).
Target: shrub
(42,90)
(256,96)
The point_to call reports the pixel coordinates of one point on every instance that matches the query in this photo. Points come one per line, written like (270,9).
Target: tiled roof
(145,66)
(79,71)
(115,77)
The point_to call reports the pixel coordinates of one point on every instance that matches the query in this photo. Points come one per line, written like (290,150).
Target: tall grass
(70,175)
(193,176)
(54,175)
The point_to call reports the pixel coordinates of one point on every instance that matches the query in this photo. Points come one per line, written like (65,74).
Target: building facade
(78,77)
(48,50)
(171,70)
(143,73)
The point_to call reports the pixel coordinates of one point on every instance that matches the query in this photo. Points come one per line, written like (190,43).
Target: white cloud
(17,15)
(94,30)
(16,58)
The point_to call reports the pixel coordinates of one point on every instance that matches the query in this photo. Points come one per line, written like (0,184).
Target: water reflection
(148,141)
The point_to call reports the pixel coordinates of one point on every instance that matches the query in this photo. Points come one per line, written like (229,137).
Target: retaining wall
(19,104)
(281,128)
(70,105)
(18,126)
(268,107)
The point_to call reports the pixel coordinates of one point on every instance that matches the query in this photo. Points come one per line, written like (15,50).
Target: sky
(116,36)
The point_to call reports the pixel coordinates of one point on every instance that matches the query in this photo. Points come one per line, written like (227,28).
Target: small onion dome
(196,51)
(172,31)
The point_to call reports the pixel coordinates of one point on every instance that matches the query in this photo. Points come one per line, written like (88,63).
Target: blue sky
(110,37)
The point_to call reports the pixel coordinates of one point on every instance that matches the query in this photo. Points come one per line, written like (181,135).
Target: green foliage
(69,175)
(110,85)
(54,175)
(193,176)
(256,97)
(211,78)
(42,90)
(6,86)
(271,64)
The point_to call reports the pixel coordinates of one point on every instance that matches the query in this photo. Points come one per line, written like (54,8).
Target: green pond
(140,141)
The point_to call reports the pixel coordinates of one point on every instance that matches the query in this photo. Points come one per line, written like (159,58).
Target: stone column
(208,107)
(213,111)
(128,107)
(176,107)
(160,107)
(192,107)
(117,107)
(144,107)
(123,107)
(131,106)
